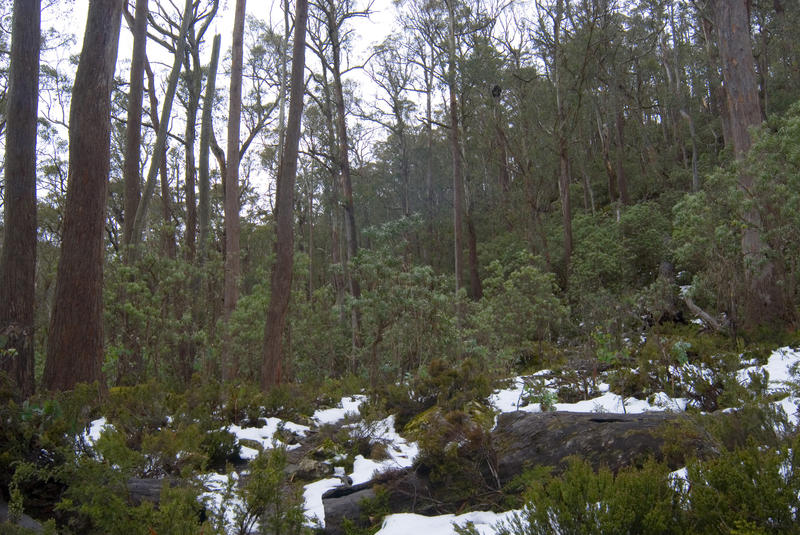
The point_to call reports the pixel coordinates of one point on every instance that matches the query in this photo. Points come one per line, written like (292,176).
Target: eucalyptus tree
(206,126)
(75,343)
(321,138)
(18,257)
(332,18)
(281,279)
(204,13)
(133,127)
(427,25)
(455,147)
(565,41)
(174,42)
(765,301)
(231,205)
(392,72)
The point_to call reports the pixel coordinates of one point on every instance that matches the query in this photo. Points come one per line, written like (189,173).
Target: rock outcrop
(521,441)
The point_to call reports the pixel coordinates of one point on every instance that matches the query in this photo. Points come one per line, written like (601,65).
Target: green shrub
(520,311)
(268,497)
(753,489)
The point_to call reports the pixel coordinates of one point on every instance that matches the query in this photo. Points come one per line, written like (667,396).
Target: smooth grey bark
(133,128)
(204,185)
(161,134)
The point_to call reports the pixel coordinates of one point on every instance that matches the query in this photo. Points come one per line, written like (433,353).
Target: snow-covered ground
(406,523)
(400,454)
(781,369)
(265,436)
(512,399)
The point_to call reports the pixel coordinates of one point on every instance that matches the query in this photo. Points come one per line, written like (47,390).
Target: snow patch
(266,435)
(401,454)
(312,495)
(348,406)
(405,523)
(96,428)
(219,498)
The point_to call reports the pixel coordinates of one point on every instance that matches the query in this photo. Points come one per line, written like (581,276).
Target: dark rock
(312,470)
(523,440)
(148,489)
(24,522)
(344,503)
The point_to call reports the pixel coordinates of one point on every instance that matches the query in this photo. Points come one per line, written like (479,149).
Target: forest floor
(527,393)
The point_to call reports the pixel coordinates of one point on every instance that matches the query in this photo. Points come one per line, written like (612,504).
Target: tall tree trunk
(619,129)
(204,206)
(18,260)
(475,287)
(167,232)
(161,134)
(334,201)
(351,233)
(764,303)
(560,131)
(284,80)
(194,82)
(718,101)
(281,281)
(566,206)
(428,162)
(131,175)
(232,260)
(75,344)
(455,150)
(133,128)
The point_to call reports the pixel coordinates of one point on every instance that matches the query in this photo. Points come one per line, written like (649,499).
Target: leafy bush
(446,385)
(709,225)
(407,315)
(520,310)
(268,498)
(753,489)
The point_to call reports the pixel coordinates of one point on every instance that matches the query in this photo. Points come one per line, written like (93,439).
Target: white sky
(69,16)
(369,31)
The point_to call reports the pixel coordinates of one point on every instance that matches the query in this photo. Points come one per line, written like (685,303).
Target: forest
(554,201)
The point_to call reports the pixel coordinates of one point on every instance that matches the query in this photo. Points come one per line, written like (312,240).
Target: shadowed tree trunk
(351,232)
(764,303)
(18,261)
(194,84)
(168,231)
(232,260)
(455,150)
(75,344)
(281,282)
(130,358)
